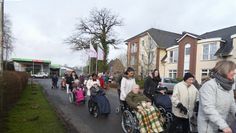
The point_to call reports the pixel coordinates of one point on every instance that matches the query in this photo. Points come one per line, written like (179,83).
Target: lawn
(33,114)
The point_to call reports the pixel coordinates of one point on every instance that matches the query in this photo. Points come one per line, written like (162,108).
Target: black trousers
(180,125)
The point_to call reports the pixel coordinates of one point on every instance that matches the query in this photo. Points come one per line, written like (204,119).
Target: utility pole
(1,35)
(1,52)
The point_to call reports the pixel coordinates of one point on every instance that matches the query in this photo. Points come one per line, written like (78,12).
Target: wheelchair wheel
(93,108)
(96,111)
(162,110)
(71,97)
(128,123)
(90,108)
(169,117)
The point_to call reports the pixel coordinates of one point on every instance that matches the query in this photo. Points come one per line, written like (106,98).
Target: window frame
(173,73)
(209,55)
(174,57)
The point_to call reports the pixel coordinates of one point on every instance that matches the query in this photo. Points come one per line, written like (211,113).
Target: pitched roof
(164,39)
(185,32)
(224,34)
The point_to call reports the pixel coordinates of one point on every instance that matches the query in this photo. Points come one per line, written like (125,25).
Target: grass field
(33,114)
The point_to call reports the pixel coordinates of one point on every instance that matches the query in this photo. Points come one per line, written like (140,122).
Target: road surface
(78,115)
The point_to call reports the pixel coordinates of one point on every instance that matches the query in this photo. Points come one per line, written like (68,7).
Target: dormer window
(209,51)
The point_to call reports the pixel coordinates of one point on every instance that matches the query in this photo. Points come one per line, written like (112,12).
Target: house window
(142,57)
(143,43)
(205,74)
(133,48)
(172,73)
(186,71)
(209,51)
(173,56)
(187,51)
(132,61)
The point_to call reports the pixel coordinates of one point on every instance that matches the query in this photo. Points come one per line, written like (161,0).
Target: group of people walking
(212,104)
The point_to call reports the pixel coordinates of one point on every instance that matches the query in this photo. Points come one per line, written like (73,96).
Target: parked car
(169,83)
(40,75)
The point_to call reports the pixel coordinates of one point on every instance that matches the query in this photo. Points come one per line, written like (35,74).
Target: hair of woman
(129,69)
(223,67)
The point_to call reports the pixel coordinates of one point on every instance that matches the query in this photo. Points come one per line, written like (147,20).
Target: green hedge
(11,85)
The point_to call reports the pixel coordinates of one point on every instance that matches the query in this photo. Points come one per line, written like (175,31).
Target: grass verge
(33,114)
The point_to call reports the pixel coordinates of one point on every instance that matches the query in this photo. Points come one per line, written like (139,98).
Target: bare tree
(8,39)
(148,56)
(123,59)
(97,28)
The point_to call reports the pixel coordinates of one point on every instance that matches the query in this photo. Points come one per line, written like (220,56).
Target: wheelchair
(167,115)
(129,121)
(93,106)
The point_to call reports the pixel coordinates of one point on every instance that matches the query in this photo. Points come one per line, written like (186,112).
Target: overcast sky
(40,26)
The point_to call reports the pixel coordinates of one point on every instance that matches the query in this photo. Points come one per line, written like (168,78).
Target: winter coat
(101,82)
(54,79)
(188,96)
(150,86)
(215,104)
(126,86)
(91,83)
(70,80)
(133,100)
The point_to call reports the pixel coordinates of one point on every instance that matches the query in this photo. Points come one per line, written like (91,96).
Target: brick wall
(193,51)
(135,66)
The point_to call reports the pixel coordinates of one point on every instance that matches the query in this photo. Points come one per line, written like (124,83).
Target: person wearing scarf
(216,99)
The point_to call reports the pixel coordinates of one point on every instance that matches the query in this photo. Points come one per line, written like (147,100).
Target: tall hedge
(11,85)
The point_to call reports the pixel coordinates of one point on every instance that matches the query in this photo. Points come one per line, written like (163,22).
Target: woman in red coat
(102,83)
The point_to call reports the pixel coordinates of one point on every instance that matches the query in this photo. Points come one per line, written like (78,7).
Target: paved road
(79,116)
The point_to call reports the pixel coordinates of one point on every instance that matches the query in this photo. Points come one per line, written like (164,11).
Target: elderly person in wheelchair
(149,118)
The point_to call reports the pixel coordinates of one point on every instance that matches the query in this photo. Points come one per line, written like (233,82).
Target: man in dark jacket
(54,81)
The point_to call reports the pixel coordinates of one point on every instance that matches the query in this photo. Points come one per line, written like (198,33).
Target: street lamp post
(1,35)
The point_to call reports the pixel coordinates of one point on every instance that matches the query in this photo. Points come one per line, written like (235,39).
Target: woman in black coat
(151,83)
(71,78)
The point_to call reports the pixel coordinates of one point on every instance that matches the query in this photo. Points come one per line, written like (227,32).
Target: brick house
(175,54)
(146,49)
(199,53)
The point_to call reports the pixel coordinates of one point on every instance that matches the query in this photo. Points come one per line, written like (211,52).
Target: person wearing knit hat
(187,76)
(184,99)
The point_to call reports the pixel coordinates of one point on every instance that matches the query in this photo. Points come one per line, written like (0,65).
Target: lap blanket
(150,120)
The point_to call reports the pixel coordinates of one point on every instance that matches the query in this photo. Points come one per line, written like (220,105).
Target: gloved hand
(182,108)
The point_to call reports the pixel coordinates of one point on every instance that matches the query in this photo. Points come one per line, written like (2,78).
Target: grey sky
(41,26)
